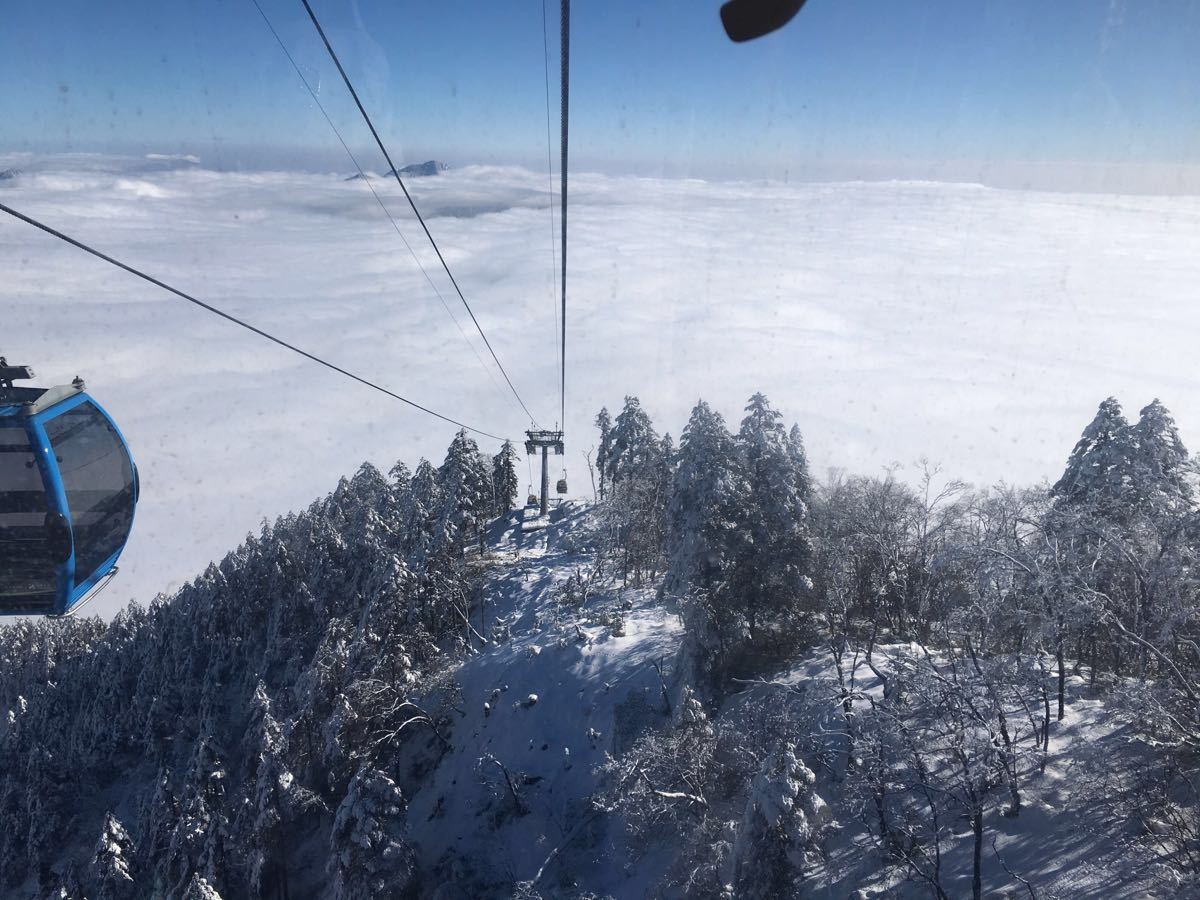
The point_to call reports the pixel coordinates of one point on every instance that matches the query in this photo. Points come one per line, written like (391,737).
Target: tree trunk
(977,873)
(1045,722)
(1006,748)
(1062,671)
(1094,654)
(885,830)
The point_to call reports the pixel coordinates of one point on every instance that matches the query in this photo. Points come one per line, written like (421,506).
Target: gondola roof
(29,401)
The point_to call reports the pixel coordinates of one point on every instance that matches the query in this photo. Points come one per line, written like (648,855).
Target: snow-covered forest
(725,676)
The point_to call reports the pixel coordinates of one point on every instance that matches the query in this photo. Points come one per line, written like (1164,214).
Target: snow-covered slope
(568,685)
(253,732)
(559,689)
(1066,842)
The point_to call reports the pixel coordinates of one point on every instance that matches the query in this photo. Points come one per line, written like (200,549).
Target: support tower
(547,440)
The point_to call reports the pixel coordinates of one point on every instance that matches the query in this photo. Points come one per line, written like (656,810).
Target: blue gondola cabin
(68,490)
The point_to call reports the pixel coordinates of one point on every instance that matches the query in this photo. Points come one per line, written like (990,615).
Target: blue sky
(850,87)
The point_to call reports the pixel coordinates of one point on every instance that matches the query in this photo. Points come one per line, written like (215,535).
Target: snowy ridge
(544,705)
(548,707)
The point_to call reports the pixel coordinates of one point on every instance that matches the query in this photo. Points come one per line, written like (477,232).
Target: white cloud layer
(977,326)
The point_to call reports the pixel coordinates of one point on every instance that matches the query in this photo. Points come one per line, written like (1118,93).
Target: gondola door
(35,541)
(96,486)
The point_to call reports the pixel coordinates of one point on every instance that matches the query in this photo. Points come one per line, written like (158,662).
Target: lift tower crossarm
(546,440)
(9,374)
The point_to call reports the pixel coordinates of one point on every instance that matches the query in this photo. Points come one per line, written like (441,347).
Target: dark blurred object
(745,20)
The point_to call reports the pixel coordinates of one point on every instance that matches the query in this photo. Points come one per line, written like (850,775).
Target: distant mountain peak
(415,170)
(429,167)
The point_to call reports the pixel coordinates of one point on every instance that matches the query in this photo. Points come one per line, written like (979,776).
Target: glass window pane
(98,479)
(26,570)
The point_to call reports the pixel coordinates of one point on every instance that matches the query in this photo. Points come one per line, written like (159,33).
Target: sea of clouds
(974,326)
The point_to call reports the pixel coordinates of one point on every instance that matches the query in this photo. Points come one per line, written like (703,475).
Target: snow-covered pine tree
(401,478)
(638,486)
(198,888)
(1119,517)
(1163,472)
(43,819)
(366,489)
(604,448)
(666,462)
(366,518)
(800,462)
(663,474)
(782,813)
(703,510)
(488,490)
(12,856)
(317,693)
(504,478)
(1099,471)
(112,862)
(199,834)
(69,886)
(369,856)
(465,482)
(771,570)
(420,512)
(157,817)
(634,443)
(272,781)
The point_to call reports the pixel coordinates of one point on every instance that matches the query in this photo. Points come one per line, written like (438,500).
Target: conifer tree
(199,888)
(465,482)
(12,855)
(666,459)
(421,511)
(1163,472)
(369,856)
(271,783)
(401,484)
(800,463)
(157,817)
(634,443)
(772,565)
(703,510)
(504,478)
(199,834)
(604,449)
(1099,471)
(112,862)
(43,815)
(769,854)
(401,477)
